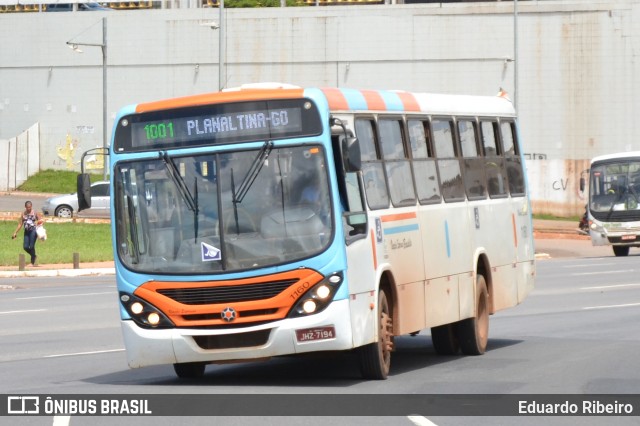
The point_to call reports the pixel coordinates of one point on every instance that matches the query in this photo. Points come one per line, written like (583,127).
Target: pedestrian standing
(29,221)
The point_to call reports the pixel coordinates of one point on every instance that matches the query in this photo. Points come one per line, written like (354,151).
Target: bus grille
(227,294)
(240,340)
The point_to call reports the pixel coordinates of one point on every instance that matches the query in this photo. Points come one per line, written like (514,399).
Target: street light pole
(221,36)
(103,46)
(105,145)
(515,54)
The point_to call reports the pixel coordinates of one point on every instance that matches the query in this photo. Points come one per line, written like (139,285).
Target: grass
(91,240)
(553,217)
(54,181)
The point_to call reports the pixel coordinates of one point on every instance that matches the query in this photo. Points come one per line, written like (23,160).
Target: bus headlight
(318,297)
(143,313)
(596,227)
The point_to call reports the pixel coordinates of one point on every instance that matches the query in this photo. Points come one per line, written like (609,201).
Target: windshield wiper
(613,204)
(189,199)
(253,172)
(133,230)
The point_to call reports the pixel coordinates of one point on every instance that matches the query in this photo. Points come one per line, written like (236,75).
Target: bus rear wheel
(189,370)
(473,333)
(621,250)
(375,358)
(444,339)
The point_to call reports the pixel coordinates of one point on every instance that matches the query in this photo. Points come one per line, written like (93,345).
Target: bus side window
(448,164)
(351,197)
(515,173)
(372,166)
(424,165)
(474,176)
(493,160)
(356,217)
(397,166)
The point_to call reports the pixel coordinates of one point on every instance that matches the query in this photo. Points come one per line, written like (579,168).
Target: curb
(57,273)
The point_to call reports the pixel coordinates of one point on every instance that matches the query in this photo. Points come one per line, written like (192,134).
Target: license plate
(628,237)
(317,333)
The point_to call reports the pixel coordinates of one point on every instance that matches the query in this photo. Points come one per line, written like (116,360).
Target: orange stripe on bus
(373,249)
(336,98)
(398,216)
(221,97)
(515,233)
(409,101)
(248,312)
(374,100)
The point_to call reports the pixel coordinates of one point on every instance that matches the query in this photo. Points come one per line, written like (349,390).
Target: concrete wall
(19,158)
(576,95)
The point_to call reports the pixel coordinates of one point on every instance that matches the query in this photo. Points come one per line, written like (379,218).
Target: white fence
(19,158)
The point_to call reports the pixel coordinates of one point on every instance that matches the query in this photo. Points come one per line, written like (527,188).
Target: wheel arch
(387,283)
(483,267)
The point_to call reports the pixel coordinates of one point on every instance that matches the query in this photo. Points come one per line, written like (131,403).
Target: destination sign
(217,124)
(225,125)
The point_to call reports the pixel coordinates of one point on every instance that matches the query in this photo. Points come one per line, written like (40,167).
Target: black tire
(189,370)
(473,333)
(64,211)
(444,339)
(375,358)
(621,250)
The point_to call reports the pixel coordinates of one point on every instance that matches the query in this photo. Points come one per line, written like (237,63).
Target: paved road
(14,202)
(556,247)
(576,334)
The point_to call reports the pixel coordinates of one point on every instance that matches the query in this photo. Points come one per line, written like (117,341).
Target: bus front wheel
(375,358)
(473,333)
(189,370)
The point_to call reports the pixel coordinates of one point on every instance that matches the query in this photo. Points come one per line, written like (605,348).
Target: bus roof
(616,156)
(351,100)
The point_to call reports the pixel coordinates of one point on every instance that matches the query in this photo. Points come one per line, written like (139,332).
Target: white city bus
(418,218)
(613,209)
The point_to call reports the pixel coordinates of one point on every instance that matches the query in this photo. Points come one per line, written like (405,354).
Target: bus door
(521,216)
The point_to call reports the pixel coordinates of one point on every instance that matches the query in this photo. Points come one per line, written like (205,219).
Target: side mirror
(351,154)
(582,184)
(84,191)
(358,223)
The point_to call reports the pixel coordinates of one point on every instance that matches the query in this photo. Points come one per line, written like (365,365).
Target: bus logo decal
(378,230)
(210,253)
(228,314)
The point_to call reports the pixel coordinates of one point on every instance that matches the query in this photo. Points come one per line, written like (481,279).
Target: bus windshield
(222,212)
(614,189)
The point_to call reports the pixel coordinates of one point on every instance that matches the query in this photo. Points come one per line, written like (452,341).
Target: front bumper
(168,346)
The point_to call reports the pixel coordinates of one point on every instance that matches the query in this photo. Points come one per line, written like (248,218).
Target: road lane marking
(626,305)
(587,265)
(624,271)
(26,311)
(420,421)
(63,295)
(604,287)
(61,420)
(84,353)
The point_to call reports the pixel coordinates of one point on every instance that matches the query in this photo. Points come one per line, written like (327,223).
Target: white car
(67,205)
